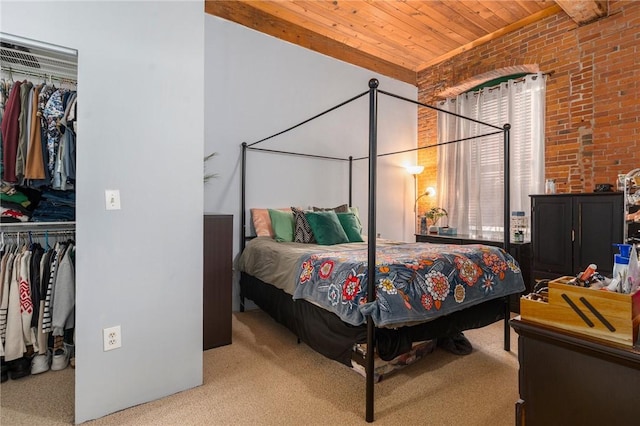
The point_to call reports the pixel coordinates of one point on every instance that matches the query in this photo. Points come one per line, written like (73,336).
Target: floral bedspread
(415,282)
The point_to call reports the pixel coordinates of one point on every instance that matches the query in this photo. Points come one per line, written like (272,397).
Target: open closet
(38,111)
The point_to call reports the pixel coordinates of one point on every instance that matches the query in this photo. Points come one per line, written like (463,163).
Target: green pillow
(282,224)
(351,226)
(356,211)
(326,228)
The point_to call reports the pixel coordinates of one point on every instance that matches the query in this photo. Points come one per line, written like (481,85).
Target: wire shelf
(37,59)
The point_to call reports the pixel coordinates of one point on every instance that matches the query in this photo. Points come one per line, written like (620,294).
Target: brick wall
(592,130)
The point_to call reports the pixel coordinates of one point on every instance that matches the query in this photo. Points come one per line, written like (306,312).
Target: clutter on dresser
(590,303)
(600,314)
(550,186)
(519,226)
(603,187)
(629,184)
(433,215)
(447,230)
(625,278)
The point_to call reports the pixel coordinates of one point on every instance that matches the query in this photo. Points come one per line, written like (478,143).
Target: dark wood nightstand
(217,280)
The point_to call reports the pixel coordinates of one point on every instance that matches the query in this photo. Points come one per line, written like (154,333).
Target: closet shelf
(37,59)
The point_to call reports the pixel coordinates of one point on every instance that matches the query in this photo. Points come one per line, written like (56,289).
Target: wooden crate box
(598,313)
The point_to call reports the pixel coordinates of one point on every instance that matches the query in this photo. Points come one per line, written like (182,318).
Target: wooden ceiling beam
(585,11)
(244,14)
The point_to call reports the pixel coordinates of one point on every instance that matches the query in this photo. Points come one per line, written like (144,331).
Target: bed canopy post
(371,259)
(507,229)
(243,181)
(507,190)
(350,180)
(243,213)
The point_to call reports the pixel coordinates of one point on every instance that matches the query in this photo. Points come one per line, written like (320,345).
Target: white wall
(140,118)
(257,85)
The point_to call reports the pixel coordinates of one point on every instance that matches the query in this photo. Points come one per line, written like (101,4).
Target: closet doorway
(38,116)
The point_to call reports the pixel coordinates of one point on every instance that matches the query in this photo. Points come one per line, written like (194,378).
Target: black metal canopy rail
(372,157)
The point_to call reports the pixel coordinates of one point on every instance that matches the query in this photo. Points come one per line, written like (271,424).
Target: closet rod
(31,226)
(39,233)
(45,76)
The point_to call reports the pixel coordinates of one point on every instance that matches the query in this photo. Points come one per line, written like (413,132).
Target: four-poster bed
(469,286)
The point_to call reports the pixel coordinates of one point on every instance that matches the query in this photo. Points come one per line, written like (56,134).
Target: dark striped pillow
(302,232)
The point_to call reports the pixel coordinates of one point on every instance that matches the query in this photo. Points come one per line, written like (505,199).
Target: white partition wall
(140,130)
(257,85)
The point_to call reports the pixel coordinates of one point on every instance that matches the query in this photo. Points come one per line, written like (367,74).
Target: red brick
(595,84)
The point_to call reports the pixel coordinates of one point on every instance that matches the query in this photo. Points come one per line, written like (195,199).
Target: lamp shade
(415,170)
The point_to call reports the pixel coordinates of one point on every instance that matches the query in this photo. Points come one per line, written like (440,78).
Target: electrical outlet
(112,338)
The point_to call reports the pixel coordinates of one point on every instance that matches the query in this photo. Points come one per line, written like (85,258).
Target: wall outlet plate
(112,338)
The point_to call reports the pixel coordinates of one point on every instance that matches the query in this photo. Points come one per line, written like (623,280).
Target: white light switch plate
(112,199)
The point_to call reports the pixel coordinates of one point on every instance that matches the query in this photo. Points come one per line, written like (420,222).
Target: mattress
(415,282)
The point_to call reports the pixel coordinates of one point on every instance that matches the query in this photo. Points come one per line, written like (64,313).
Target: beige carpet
(266,378)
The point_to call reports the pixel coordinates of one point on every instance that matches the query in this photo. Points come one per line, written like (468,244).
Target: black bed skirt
(324,332)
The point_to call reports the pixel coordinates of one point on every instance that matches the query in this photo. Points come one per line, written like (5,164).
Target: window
(470,173)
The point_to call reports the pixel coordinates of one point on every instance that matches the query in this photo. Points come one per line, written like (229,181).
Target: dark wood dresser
(570,379)
(521,252)
(217,280)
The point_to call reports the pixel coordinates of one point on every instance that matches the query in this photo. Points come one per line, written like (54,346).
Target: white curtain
(470,173)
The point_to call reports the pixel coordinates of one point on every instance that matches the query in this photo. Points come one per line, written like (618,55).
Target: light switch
(112,199)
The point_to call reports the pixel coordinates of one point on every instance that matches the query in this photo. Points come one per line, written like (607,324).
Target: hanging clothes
(34,168)
(65,171)
(62,316)
(43,98)
(27,273)
(23,130)
(53,112)
(49,294)
(10,132)
(14,346)
(38,152)
(5,88)
(5,275)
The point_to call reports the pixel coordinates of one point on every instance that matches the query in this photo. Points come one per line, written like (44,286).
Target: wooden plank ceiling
(395,38)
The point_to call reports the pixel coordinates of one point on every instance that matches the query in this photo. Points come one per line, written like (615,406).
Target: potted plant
(209,176)
(434,214)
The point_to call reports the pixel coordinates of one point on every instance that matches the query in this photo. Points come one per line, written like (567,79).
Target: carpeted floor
(266,378)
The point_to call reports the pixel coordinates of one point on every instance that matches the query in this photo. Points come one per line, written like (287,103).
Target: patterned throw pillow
(343,208)
(302,232)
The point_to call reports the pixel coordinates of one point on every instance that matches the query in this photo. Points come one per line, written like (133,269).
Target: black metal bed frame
(371,242)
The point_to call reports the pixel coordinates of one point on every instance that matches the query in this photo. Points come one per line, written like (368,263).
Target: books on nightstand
(446,230)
